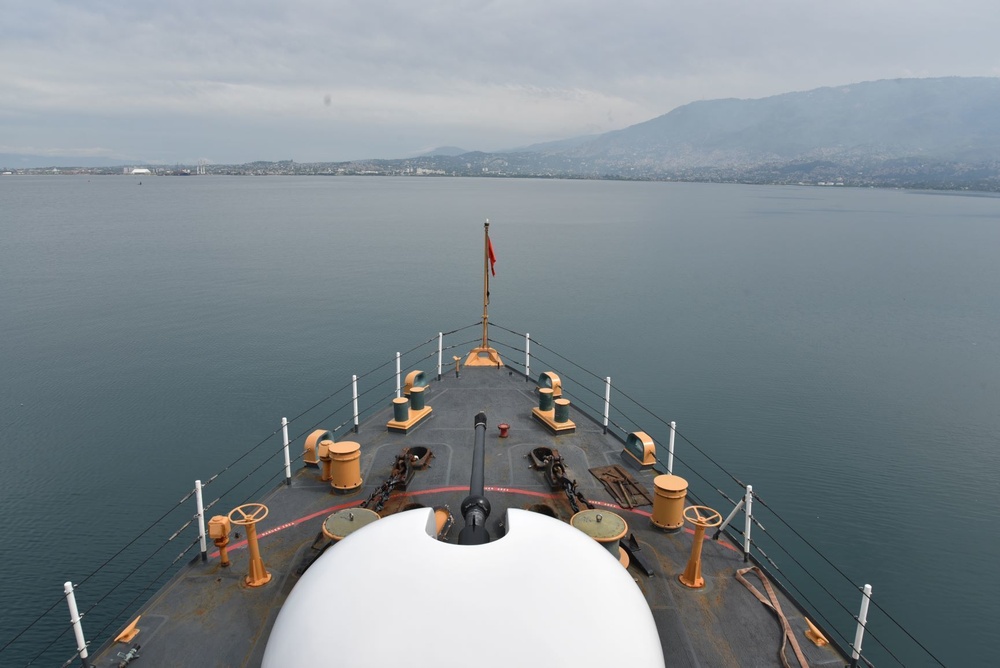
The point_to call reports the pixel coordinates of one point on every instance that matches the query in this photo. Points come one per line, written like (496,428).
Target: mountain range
(940,133)
(936,129)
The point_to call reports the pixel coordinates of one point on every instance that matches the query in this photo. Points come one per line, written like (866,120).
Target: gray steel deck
(205,616)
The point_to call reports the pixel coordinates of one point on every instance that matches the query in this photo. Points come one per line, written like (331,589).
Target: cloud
(498,71)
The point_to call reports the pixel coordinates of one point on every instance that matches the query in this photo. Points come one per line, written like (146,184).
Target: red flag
(493,258)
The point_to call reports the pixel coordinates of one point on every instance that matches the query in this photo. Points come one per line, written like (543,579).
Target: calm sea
(838,349)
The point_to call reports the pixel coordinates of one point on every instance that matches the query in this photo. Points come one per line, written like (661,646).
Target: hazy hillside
(949,124)
(952,119)
(17,161)
(935,133)
(444,151)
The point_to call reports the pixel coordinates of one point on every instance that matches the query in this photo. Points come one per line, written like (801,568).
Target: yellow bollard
(668,501)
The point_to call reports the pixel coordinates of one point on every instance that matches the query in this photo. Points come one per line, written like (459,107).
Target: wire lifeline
(92,574)
(267,482)
(734,478)
(349,385)
(833,566)
(231,489)
(299,456)
(184,499)
(279,451)
(594,411)
(684,437)
(626,416)
(688,441)
(51,643)
(416,347)
(145,589)
(676,457)
(622,429)
(543,346)
(789,583)
(349,403)
(111,591)
(836,600)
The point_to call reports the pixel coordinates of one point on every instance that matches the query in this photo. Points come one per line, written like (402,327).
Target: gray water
(839,349)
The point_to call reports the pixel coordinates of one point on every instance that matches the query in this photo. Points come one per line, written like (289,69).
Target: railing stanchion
(670,448)
(201,520)
(74,618)
(747,506)
(607,401)
(729,518)
(399,386)
(527,356)
(440,352)
(354,386)
(859,635)
(288,461)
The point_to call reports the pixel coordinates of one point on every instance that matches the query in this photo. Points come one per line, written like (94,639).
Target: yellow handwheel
(248,513)
(702,516)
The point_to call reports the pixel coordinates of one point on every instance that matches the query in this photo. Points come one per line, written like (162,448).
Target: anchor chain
(407,462)
(573,494)
(552,465)
(381,494)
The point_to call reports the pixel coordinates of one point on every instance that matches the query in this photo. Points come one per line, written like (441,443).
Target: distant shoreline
(991,186)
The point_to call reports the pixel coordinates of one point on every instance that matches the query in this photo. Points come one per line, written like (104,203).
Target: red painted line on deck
(456,488)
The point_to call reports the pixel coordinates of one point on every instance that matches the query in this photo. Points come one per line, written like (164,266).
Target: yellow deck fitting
(132,630)
(550,380)
(346,521)
(483,357)
(814,634)
(218,530)
(248,515)
(548,418)
(606,528)
(443,520)
(345,466)
(701,517)
(404,426)
(415,378)
(309,457)
(323,452)
(668,501)
(641,449)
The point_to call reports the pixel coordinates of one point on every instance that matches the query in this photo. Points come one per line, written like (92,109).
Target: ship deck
(206,616)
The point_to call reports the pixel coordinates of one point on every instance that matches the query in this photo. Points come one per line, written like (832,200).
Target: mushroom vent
(414,379)
(309,454)
(550,380)
(640,449)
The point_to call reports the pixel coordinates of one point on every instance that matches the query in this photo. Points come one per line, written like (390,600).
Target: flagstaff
(484,355)
(486,283)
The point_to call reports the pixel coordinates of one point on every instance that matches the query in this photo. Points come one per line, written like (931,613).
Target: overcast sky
(177,81)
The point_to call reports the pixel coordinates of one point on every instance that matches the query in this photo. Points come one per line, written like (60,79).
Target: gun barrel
(475,507)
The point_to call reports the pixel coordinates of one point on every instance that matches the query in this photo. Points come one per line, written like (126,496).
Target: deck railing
(594,395)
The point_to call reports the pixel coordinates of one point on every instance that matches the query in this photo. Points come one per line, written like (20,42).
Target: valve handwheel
(249,513)
(702,516)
